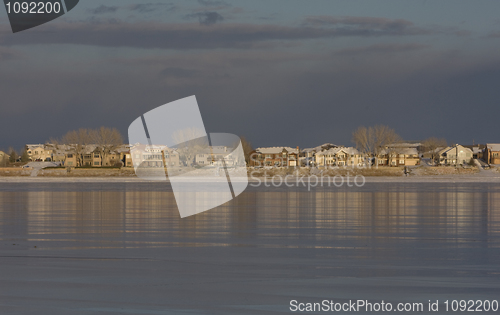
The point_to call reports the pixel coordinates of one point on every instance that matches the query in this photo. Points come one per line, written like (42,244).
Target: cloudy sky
(279,72)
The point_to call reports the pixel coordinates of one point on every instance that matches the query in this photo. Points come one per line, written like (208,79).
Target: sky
(278,72)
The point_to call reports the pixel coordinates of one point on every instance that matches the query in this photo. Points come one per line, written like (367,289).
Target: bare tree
(361,137)
(433,143)
(78,139)
(106,140)
(372,140)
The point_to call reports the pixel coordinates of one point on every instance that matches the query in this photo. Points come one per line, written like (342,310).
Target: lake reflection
(94,248)
(133,215)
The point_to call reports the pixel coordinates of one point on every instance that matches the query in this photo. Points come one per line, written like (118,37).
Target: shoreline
(469,178)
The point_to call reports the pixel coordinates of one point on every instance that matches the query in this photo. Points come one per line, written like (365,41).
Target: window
(96,155)
(70,156)
(70,163)
(96,163)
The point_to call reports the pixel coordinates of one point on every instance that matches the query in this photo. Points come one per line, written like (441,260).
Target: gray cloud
(212,3)
(99,32)
(152,7)
(103,9)
(206,18)
(9,54)
(380,48)
(366,24)
(374,22)
(178,72)
(494,34)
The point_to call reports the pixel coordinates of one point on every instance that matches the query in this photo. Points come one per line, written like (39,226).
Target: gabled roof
(493,146)
(334,151)
(33,146)
(448,149)
(320,148)
(276,150)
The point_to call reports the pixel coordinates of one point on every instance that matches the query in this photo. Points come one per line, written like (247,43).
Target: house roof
(453,148)
(33,146)
(493,146)
(320,148)
(276,150)
(404,144)
(346,150)
(405,151)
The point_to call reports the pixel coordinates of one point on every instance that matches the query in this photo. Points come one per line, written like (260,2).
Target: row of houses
(131,155)
(400,154)
(80,155)
(328,154)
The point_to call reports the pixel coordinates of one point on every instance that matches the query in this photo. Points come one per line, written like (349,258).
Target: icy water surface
(121,248)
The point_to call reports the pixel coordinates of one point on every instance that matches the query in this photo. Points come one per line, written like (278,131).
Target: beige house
(398,156)
(339,156)
(455,155)
(37,152)
(70,159)
(3,158)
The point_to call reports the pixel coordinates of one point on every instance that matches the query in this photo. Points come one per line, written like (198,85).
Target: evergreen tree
(12,156)
(25,157)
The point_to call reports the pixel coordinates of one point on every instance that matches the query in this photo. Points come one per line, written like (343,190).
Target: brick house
(491,153)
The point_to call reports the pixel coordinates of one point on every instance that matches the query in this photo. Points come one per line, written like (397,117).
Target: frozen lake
(121,248)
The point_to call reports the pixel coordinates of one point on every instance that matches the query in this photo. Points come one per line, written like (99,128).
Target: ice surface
(119,247)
